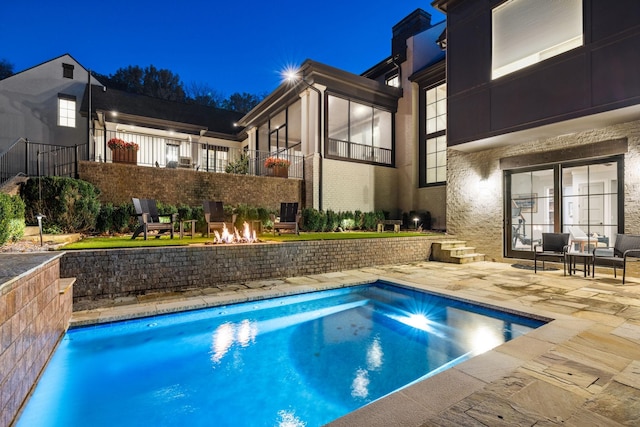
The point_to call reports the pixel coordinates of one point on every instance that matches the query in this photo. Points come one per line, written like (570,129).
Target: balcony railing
(364,153)
(157,151)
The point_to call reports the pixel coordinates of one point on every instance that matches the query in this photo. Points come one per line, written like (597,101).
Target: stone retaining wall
(119,182)
(117,273)
(34,313)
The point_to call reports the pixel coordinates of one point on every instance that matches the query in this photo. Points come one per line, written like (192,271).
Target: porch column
(312,130)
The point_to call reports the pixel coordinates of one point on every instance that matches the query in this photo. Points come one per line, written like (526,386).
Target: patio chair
(149,219)
(554,246)
(214,215)
(626,246)
(289,218)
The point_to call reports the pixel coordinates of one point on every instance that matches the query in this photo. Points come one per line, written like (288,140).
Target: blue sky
(232,46)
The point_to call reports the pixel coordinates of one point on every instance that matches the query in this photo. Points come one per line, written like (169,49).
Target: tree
(150,81)
(6,69)
(203,94)
(242,102)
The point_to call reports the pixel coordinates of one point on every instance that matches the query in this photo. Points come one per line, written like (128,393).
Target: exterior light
(415,222)
(39,218)
(114,113)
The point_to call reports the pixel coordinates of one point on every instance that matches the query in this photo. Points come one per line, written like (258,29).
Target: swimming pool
(302,360)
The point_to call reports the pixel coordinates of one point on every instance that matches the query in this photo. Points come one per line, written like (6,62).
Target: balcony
(339,149)
(158,151)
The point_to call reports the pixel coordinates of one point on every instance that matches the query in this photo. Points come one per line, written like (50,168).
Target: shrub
(11,218)
(70,205)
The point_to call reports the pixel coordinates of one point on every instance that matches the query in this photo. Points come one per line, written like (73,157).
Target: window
(435,150)
(359,132)
(67,71)
(172,152)
(66,111)
(215,158)
(525,32)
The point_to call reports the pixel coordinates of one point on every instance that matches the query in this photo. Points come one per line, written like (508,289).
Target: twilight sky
(232,46)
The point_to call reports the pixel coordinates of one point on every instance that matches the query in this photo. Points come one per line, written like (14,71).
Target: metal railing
(354,151)
(37,159)
(158,151)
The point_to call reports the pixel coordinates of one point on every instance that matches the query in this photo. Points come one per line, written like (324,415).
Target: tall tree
(242,102)
(203,94)
(6,69)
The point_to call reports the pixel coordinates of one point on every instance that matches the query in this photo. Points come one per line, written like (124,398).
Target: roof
(138,109)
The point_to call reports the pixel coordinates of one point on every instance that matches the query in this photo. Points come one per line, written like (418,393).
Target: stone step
(455,252)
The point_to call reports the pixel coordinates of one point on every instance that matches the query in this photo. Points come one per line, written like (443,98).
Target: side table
(186,222)
(574,258)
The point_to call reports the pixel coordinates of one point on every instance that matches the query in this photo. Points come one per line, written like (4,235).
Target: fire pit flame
(235,237)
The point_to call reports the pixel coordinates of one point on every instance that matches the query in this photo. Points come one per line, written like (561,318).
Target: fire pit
(226,236)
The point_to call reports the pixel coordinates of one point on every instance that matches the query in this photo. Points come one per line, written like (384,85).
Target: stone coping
(16,265)
(580,369)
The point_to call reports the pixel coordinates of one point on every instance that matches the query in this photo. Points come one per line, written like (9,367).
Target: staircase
(454,252)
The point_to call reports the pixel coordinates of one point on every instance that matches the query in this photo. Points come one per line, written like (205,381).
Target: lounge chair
(214,216)
(554,246)
(289,218)
(149,219)
(626,246)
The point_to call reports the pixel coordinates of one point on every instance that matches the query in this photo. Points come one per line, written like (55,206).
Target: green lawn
(126,242)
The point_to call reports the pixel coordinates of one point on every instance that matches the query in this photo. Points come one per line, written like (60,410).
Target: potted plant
(122,151)
(277,166)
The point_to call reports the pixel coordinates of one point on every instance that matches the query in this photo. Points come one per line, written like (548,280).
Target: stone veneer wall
(475,185)
(118,183)
(128,272)
(33,316)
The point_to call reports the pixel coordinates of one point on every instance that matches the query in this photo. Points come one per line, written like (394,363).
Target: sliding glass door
(577,198)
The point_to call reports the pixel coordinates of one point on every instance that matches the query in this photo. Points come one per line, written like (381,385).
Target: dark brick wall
(118,183)
(127,272)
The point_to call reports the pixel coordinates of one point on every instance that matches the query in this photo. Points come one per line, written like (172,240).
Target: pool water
(295,361)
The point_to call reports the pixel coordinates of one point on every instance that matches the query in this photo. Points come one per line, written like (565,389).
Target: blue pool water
(296,361)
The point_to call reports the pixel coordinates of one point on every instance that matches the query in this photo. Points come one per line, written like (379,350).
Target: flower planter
(279,171)
(124,156)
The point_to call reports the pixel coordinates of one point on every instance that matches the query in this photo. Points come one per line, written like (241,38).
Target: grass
(126,242)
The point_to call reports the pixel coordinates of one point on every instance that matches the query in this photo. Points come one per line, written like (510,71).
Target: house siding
(353,186)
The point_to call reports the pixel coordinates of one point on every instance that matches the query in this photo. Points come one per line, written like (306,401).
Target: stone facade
(475,199)
(129,272)
(118,183)
(34,313)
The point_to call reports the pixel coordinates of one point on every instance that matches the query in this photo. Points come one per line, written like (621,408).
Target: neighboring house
(543,122)
(42,105)
(169,134)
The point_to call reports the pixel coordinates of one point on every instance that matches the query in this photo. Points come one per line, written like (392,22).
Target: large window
(67,111)
(525,32)
(282,133)
(579,199)
(359,132)
(435,170)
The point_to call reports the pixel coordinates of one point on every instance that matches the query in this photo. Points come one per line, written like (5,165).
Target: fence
(37,159)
